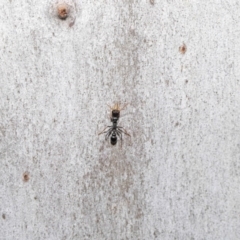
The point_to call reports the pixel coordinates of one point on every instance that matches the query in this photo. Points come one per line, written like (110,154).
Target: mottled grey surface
(177,177)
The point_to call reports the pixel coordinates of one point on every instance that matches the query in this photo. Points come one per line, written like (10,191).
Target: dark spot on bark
(156,233)
(152,2)
(101,148)
(3,216)
(35,198)
(167,82)
(72,22)
(186,81)
(139,213)
(26,176)
(176,124)
(183,48)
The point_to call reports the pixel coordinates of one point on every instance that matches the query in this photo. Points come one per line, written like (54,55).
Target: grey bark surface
(177,177)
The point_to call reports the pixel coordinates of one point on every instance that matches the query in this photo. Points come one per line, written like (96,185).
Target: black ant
(115,131)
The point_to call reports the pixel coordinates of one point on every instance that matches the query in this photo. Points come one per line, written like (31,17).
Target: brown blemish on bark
(72,22)
(3,216)
(152,2)
(26,177)
(63,11)
(183,49)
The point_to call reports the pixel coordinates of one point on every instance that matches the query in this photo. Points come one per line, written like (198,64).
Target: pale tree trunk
(176,64)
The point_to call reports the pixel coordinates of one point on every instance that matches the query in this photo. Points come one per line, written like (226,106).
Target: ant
(115,131)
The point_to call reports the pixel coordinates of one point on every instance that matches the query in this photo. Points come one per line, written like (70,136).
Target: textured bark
(176,65)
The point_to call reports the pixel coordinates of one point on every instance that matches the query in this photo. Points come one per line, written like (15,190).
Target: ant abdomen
(113,140)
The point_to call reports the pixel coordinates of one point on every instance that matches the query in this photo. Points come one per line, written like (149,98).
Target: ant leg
(122,130)
(108,133)
(111,110)
(120,135)
(104,130)
(120,109)
(110,107)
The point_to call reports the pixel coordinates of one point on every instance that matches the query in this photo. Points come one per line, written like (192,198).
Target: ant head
(115,113)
